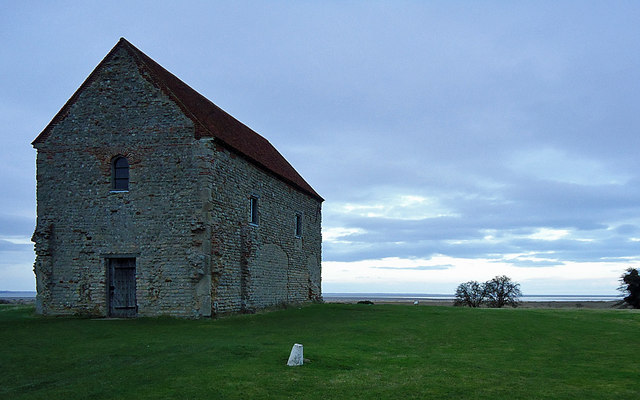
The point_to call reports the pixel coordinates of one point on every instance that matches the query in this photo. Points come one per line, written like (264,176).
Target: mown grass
(355,351)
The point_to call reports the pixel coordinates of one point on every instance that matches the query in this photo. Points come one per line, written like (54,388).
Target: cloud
(14,243)
(588,230)
(534,263)
(420,268)
(558,166)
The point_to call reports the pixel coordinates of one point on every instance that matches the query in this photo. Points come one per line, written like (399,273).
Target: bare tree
(501,291)
(470,294)
(630,286)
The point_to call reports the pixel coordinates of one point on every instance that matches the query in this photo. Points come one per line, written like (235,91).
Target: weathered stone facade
(185,220)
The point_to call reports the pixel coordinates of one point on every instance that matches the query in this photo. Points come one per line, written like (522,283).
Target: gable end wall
(82,223)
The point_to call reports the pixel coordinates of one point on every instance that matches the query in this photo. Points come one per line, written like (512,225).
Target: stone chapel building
(154,201)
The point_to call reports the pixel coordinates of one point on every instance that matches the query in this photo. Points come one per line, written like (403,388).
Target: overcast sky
(451,140)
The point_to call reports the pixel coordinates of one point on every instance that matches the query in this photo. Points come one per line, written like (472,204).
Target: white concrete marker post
(296,357)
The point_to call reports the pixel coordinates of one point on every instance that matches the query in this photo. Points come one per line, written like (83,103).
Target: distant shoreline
(17,296)
(450,296)
(563,302)
(17,293)
(525,304)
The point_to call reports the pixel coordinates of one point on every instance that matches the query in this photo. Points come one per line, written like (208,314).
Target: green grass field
(355,352)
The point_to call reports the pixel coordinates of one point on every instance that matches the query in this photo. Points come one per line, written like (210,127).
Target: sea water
(444,297)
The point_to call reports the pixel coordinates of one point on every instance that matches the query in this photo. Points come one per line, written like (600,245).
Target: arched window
(120,173)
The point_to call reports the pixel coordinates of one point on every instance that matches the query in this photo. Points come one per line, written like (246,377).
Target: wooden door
(122,287)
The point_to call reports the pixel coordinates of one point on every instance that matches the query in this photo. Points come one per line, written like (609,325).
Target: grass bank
(355,351)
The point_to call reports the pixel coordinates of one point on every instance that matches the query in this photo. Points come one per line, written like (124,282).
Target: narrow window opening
(298,225)
(253,217)
(120,174)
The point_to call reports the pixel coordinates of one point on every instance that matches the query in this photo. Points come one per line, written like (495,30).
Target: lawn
(354,351)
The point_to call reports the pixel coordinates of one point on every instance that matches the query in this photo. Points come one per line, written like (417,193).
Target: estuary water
(444,297)
(17,294)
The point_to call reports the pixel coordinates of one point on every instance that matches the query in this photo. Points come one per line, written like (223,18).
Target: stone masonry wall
(256,266)
(82,222)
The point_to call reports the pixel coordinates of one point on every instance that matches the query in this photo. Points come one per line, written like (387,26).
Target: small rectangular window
(253,214)
(298,225)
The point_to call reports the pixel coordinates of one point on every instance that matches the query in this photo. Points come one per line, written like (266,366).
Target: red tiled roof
(209,119)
